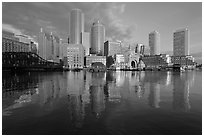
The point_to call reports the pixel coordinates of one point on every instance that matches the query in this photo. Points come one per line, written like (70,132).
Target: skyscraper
(154,43)
(48,46)
(97,38)
(181,42)
(76,26)
(85,40)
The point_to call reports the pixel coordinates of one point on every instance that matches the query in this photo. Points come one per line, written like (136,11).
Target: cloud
(11,28)
(55,17)
(110,16)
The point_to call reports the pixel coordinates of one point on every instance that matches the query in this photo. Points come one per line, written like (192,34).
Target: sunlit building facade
(85,40)
(75,56)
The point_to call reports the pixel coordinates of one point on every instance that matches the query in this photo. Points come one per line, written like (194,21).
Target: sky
(127,22)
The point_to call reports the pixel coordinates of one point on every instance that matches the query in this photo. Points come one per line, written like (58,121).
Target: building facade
(85,40)
(139,49)
(112,48)
(48,45)
(156,61)
(76,26)
(75,56)
(184,61)
(154,43)
(181,42)
(93,58)
(120,61)
(97,38)
(10,43)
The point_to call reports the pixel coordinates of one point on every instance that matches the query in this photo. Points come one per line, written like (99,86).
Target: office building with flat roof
(112,48)
(181,42)
(85,40)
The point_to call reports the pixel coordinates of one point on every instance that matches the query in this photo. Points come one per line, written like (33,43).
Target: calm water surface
(102,103)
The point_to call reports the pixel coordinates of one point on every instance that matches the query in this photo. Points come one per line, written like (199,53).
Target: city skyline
(117,17)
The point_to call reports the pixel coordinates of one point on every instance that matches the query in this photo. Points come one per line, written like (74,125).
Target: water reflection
(154,95)
(76,110)
(181,92)
(84,90)
(97,93)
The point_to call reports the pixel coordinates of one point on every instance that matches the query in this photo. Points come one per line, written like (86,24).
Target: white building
(85,40)
(75,56)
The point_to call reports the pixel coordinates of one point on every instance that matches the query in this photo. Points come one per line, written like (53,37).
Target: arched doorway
(133,64)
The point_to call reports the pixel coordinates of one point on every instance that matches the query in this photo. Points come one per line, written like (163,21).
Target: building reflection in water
(97,96)
(120,78)
(76,110)
(76,100)
(112,87)
(136,83)
(154,95)
(49,87)
(181,91)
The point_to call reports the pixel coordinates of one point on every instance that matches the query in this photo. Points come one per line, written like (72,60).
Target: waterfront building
(93,58)
(23,38)
(134,60)
(184,61)
(154,43)
(10,43)
(112,48)
(97,38)
(85,40)
(75,56)
(120,61)
(76,26)
(156,61)
(181,42)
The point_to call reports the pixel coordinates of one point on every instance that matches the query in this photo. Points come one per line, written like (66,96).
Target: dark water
(102,103)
